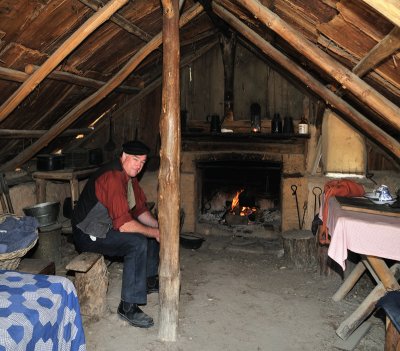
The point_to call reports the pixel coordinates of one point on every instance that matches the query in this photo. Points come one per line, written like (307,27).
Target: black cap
(135,147)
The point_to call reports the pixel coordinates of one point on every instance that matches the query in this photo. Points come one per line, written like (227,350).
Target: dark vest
(87,199)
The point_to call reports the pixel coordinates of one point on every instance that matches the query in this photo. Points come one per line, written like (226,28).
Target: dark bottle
(276,124)
(288,125)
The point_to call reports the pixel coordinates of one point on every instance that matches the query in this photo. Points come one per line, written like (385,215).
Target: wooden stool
(36,266)
(91,282)
(299,247)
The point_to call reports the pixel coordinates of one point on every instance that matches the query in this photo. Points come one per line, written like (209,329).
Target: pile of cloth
(341,187)
(17,233)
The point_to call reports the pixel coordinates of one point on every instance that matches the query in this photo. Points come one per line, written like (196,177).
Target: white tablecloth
(363,233)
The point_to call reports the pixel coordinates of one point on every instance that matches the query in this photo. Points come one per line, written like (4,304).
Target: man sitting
(111,218)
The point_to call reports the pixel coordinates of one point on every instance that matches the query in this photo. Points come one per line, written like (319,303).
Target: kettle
(215,123)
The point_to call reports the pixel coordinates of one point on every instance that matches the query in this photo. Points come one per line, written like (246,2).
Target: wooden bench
(91,282)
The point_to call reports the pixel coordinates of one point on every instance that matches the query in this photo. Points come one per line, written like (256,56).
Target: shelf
(244,137)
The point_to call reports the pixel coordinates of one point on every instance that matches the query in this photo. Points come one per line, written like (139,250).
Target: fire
(235,201)
(241,210)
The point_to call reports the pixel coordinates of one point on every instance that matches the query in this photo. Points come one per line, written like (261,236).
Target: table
(39,312)
(375,237)
(71,175)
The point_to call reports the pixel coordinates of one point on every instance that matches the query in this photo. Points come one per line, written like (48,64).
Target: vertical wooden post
(169,175)
(228,49)
(40,190)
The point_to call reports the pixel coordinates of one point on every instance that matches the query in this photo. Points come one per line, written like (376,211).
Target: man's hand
(135,226)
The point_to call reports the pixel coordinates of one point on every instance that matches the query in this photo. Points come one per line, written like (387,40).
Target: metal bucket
(46,213)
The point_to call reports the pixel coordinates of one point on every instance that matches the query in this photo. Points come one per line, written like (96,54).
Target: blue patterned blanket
(17,233)
(39,313)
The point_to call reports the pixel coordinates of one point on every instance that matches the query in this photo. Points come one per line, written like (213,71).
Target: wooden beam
(389,85)
(82,81)
(55,59)
(24,133)
(201,36)
(13,75)
(348,80)
(169,175)
(351,114)
(119,20)
(386,47)
(18,76)
(12,146)
(388,8)
(95,98)
(228,52)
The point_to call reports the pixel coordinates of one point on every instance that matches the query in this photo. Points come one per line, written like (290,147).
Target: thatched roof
(361,36)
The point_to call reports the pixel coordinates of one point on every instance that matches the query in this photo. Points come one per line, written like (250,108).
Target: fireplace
(214,168)
(251,183)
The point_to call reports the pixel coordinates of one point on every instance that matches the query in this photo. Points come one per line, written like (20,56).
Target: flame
(246,211)
(235,200)
(241,210)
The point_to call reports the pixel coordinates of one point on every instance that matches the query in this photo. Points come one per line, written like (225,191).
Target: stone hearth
(289,153)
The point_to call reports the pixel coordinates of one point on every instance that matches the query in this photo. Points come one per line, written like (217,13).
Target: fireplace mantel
(246,137)
(271,142)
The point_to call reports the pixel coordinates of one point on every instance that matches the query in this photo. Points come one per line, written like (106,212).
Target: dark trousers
(140,255)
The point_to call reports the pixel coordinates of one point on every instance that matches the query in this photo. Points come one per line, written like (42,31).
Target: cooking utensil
(304,213)
(294,193)
(317,191)
(190,241)
(49,162)
(110,145)
(46,213)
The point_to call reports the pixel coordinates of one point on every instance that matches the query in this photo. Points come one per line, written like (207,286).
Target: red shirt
(111,191)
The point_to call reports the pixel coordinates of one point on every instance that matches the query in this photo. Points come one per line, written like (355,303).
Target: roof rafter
(55,59)
(95,98)
(18,76)
(387,46)
(119,20)
(364,92)
(352,114)
(388,8)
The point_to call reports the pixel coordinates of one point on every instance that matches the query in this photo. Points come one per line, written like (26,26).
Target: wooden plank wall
(202,88)
(140,119)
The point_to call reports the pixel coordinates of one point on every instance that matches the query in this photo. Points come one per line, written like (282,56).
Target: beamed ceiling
(65,62)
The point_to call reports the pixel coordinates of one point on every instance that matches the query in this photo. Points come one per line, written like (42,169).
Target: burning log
(240,212)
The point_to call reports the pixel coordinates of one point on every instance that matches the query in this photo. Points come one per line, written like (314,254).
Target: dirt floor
(239,293)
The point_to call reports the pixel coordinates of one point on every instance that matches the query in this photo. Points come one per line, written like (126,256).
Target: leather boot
(134,315)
